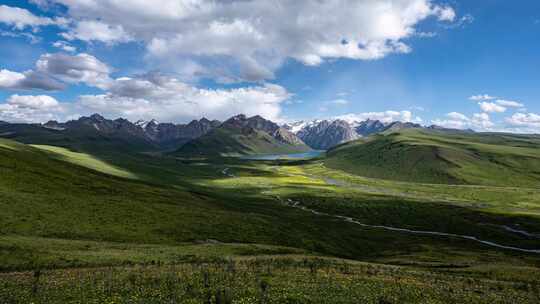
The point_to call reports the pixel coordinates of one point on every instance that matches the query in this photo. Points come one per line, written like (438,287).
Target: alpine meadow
(251,151)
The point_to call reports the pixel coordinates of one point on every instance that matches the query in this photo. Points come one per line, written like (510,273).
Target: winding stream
(295,204)
(347,219)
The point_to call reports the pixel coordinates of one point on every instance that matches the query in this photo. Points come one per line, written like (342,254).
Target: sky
(453,63)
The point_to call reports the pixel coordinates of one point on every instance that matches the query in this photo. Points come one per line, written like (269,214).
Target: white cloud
(154,96)
(491,107)
(33,101)
(28,80)
(78,68)
(249,40)
(482,97)
(461,22)
(481,121)
(168,99)
(386,117)
(93,30)
(339,101)
(30,108)
(457,116)
(9,79)
(64,46)
(20,18)
(509,103)
(528,120)
(456,120)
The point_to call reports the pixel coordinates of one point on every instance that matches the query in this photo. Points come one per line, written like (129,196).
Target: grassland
(120,227)
(262,280)
(446,158)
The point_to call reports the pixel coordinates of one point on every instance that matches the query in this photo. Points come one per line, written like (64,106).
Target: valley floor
(106,228)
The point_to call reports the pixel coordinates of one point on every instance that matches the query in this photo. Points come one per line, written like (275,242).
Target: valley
(192,226)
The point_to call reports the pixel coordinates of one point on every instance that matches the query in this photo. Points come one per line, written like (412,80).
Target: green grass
(265,280)
(85,160)
(444,158)
(24,253)
(65,209)
(83,139)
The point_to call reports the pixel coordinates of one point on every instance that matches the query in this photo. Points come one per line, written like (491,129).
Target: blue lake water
(304,155)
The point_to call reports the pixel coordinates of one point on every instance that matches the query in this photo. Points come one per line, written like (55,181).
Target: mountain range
(238,135)
(325,134)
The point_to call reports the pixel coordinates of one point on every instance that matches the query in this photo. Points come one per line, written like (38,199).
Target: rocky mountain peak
(368,127)
(95,117)
(325,134)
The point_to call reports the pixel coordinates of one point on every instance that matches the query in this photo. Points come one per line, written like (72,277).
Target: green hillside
(431,156)
(82,138)
(230,141)
(186,231)
(54,193)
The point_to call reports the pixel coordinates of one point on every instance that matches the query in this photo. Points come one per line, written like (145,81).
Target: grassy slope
(44,197)
(56,213)
(443,157)
(84,139)
(234,142)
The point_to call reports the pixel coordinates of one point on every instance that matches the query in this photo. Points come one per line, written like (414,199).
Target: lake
(304,155)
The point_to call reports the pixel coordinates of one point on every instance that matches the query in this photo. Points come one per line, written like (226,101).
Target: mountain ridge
(152,135)
(240,135)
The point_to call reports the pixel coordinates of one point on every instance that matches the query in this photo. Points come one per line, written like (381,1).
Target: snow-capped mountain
(324,134)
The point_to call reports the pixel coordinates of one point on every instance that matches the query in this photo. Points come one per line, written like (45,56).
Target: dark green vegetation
(445,157)
(237,141)
(82,138)
(95,224)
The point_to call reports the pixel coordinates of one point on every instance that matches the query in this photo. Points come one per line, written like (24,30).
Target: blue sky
(463,64)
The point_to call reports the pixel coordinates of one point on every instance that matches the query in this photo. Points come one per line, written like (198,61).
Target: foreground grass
(262,280)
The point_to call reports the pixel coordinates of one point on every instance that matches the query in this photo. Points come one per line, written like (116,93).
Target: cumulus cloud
(169,99)
(154,96)
(80,68)
(457,116)
(527,120)
(20,18)
(33,101)
(386,117)
(482,121)
(93,30)
(456,120)
(28,80)
(54,70)
(30,108)
(251,39)
(491,107)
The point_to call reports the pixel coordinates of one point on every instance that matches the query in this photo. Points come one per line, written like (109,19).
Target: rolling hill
(443,156)
(66,213)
